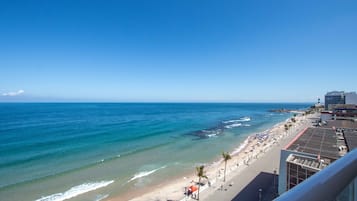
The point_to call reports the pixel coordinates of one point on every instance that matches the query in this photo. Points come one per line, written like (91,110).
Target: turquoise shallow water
(89,151)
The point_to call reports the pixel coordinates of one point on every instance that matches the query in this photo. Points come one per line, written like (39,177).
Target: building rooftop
(351,139)
(345,107)
(335,93)
(317,141)
(308,162)
(349,124)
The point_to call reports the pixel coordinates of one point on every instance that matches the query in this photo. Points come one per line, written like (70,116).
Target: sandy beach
(259,152)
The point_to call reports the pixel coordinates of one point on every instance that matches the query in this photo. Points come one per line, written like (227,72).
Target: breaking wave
(241,147)
(233,125)
(144,174)
(219,129)
(235,122)
(75,191)
(242,119)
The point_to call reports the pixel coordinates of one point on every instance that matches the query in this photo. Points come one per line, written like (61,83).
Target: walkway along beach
(258,153)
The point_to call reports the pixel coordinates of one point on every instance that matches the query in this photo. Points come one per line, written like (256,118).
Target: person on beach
(189,192)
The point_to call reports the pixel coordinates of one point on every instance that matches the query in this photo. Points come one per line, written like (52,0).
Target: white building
(351,98)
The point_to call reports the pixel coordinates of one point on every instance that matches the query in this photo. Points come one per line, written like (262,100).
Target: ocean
(92,151)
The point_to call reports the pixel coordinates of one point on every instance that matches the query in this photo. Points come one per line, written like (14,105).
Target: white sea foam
(101,197)
(241,147)
(75,191)
(144,174)
(231,121)
(212,135)
(245,119)
(237,120)
(233,125)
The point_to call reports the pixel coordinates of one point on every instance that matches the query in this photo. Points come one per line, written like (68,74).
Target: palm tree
(226,157)
(200,174)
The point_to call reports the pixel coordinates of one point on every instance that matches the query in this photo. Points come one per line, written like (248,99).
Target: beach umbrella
(193,188)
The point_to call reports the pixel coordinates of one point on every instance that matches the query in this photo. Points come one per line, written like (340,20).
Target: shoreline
(253,147)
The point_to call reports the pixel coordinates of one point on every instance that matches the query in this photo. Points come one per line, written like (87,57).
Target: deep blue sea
(58,151)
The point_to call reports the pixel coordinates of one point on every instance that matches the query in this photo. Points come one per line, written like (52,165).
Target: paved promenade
(260,174)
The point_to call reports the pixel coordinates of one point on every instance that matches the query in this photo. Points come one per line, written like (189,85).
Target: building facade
(299,168)
(345,111)
(339,97)
(351,98)
(333,98)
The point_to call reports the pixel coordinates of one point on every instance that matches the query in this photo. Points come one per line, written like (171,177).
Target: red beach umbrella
(193,188)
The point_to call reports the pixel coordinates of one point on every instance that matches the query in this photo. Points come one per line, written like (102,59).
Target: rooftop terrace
(349,124)
(309,163)
(317,141)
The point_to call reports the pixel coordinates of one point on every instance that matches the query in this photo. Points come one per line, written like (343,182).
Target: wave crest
(242,119)
(219,129)
(233,125)
(144,174)
(75,191)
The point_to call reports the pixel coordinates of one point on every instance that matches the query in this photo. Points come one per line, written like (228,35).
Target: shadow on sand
(265,181)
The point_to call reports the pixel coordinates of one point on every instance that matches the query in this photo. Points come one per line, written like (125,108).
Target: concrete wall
(326,116)
(284,154)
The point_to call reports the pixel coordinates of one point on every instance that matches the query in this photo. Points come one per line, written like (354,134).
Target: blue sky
(177,50)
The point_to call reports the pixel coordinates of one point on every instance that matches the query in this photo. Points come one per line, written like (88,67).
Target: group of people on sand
(257,145)
(191,191)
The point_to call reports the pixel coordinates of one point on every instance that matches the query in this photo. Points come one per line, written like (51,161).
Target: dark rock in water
(207,133)
(282,110)
(219,129)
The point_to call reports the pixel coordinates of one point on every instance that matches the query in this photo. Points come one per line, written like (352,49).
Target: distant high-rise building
(339,97)
(333,98)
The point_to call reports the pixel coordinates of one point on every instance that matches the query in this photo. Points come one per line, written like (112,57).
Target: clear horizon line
(161,102)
